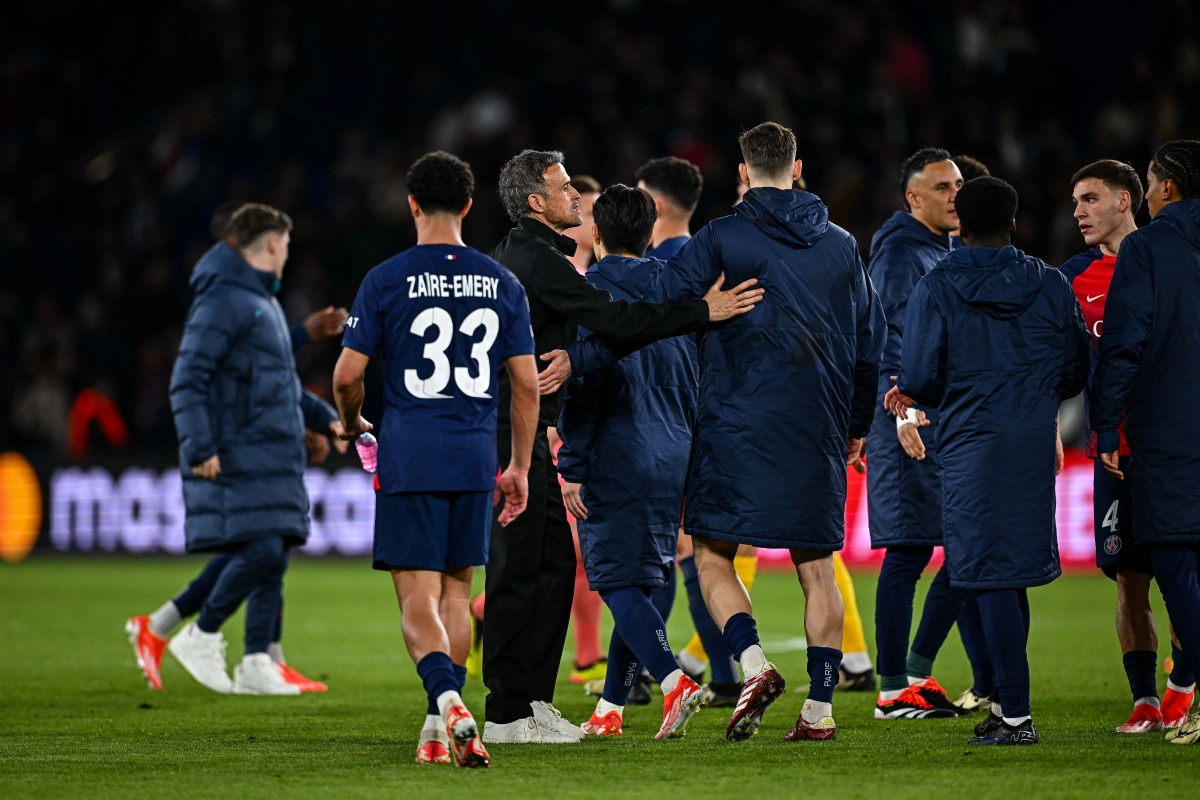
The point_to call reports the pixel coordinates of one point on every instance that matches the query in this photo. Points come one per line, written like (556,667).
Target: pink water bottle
(368,451)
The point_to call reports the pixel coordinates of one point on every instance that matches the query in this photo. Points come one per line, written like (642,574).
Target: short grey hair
(523,175)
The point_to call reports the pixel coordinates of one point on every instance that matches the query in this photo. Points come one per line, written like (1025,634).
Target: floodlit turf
(76,720)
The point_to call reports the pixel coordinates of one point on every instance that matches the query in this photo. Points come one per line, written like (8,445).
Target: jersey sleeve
(518,330)
(364,328)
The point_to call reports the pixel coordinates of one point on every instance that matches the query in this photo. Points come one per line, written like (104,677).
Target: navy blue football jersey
(444,319)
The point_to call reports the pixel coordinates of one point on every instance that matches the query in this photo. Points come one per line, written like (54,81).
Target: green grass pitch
(76,719)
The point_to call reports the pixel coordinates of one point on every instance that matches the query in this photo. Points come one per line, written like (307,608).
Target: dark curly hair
(678,179)
(970,167)
(1180,161)
(439,181)
(986,206)
(625,217)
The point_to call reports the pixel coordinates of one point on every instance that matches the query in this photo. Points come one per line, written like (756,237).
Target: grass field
(76,719)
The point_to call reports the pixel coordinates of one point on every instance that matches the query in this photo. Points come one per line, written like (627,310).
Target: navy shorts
(432,530)
(1115,547)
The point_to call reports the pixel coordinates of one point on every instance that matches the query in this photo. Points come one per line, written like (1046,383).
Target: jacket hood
(903,228)
(1184,217)
(222,264)
(631,274)
(791,216)
(1001,282)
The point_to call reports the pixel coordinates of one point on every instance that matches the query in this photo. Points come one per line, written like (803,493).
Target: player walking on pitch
(1107,194)
(444,316)
(809,357)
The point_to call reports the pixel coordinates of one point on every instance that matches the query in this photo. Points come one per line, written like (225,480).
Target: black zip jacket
(560,299)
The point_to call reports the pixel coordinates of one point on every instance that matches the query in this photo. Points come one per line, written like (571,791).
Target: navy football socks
(898,578)
(740,633)
(970,628)
(1140,666)
(719,660)
(1175,570)
(642,628)
(1181,670)
(823,666)
(623,668)
(942,607)
(1006,626)
(437,674)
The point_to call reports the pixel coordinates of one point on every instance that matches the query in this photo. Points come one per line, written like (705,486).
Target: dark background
(121,129)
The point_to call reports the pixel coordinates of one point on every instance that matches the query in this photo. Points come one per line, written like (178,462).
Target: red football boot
(1144,719)
(463,734)
(679,706)
(822,729)
(292,675)
(607,725)
(148,648)
(756,696)
(432,748)
(1175,706)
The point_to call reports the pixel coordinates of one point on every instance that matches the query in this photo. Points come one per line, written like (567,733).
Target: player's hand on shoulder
(208,469)
(574,501)
(723,305)
(551,379)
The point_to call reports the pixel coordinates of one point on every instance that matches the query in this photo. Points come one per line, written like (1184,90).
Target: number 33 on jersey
(443,319)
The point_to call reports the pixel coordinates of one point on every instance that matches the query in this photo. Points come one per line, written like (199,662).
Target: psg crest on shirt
(1112,545)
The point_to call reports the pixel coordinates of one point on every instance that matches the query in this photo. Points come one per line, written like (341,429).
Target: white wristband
(910,418)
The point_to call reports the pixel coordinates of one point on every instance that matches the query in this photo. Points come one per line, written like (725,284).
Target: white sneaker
(203,656)
(549,717)
(259,674)
(524,731)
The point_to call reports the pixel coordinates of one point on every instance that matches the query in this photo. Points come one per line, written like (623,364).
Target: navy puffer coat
(995,340)
(1150,366)
(783,387)
(627,436)
(235,394)
(904,494)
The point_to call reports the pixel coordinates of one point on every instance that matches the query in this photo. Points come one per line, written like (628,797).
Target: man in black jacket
(531,566)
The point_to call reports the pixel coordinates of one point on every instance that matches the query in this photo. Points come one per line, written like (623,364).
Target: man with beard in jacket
(903,482)
(786,398)
(1149,359)
(994,340)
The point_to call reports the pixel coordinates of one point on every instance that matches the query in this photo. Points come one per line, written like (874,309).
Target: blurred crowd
(122,129)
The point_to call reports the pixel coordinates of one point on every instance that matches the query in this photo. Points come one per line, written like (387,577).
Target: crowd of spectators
(123,128)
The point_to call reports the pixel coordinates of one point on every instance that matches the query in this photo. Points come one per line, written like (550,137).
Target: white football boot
(203,656)
(259,674)
(524,731)
(550,718)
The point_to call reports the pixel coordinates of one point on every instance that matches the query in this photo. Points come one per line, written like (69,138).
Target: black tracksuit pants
(530,583)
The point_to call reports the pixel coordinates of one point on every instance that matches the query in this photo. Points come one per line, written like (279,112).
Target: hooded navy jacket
(904,495)
(627,435)
(783,387)
(995,340)
(235,394)
(1150,365)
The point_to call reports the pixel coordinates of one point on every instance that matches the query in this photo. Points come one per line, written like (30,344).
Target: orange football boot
(148,648)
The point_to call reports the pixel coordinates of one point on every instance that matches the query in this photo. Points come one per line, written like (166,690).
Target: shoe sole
(915,713)
(747,726)
(687,710)
(184,664)
(466,757)
(810,735)
(1153,727)
(244,690)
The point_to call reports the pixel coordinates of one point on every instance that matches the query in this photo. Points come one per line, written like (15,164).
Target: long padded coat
(904,494)
(783,387)
(1150,366)
(996,341)
(627,436)
(235,394)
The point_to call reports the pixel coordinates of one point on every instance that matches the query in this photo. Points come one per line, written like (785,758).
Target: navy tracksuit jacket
(996,341)
(904,495)
(627,436)
(1149,365)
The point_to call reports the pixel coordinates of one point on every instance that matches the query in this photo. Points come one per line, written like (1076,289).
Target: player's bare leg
(729,605)
(1139,650)
(823,618)
(431,641)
